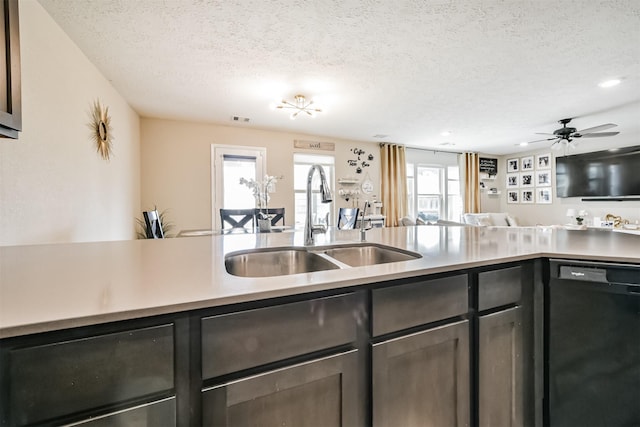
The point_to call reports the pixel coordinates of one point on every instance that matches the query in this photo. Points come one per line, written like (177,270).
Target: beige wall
(176,166)
(54,187)
(555,213)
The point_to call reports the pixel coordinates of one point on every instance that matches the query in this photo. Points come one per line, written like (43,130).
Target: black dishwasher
(592,344)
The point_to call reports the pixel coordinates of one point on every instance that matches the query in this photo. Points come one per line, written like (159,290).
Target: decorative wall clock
(101,129)
(367,186)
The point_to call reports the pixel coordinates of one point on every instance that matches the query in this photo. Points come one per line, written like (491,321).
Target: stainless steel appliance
(593,344)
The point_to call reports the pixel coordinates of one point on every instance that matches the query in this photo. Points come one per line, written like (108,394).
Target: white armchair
(497,219)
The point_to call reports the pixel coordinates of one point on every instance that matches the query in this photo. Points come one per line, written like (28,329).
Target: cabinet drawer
(54,380)
(157,414)
(414,304)
(238,341)
(499,287)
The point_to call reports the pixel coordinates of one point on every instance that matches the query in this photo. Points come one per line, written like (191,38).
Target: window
(433,186)
(230,163)
(237,196)
(301,165)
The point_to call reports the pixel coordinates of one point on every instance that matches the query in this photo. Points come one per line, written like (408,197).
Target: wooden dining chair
(347,218)
(277,215)
(153,224)
(238,218)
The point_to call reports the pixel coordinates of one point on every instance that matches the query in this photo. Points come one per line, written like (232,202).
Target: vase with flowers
(261,190)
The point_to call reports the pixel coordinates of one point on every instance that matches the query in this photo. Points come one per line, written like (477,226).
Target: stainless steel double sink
(280,261)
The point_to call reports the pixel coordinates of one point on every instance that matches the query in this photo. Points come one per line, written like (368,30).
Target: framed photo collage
(529,179)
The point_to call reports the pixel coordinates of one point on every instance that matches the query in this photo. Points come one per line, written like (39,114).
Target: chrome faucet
(327,197)
(363,229)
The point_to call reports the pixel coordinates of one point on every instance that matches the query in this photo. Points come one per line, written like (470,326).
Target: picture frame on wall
(526,179)
(513,165)
(543,195)
(526,163)
(543,161)
(513,180)
(543,178)
(527,196)
(513,196)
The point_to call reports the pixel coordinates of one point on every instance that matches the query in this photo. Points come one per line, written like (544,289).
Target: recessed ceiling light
(609,83)
(523,144)
(445,133)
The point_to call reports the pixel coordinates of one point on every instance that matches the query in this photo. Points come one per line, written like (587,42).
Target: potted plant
(141,225)
(261,190)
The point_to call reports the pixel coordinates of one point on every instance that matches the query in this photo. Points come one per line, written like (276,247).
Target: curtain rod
(382,144)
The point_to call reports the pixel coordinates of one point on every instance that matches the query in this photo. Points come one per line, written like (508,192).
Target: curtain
(393,183)
(470,168)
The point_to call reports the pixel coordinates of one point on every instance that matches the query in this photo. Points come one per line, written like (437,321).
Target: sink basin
(275,262)
(369,254)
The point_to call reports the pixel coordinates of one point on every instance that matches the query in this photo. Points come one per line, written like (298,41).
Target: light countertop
(49,287)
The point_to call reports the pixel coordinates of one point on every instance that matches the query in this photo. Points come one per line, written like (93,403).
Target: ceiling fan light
(609,83)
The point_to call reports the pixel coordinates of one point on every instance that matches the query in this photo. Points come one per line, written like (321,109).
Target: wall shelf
(348,181)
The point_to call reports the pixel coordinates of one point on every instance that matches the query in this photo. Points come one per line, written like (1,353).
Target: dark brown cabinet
(157,414)
(295,383)
(501,380)
(10,92)
(238,341)
(453,349)
(71,380)
(320,393)
(423,378)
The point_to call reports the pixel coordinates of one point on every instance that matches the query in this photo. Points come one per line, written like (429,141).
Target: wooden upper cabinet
(10,101)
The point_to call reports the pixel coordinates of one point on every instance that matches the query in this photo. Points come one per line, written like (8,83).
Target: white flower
(261,189)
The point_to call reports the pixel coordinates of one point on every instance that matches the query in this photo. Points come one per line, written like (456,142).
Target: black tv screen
(606,173)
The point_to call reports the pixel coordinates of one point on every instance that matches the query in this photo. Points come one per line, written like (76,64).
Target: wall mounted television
(608,173)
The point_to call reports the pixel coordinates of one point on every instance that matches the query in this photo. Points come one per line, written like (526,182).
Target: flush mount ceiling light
(299,105)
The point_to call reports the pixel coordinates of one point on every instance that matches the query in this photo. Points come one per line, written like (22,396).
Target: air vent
(240,119)
(381,136)
(447,144)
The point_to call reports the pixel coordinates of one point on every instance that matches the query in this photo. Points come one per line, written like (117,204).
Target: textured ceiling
(494,72)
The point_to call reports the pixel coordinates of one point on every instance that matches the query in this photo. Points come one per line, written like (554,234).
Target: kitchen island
(184,325)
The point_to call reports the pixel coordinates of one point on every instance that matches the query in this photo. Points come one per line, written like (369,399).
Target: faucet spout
(327,197)
(363,229)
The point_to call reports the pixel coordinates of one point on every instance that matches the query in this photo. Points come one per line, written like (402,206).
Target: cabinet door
(501,379)
(423,378)
(156,414)
(321,393)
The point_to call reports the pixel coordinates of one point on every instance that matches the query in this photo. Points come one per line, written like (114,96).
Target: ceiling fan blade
(597,128)
(543,133)
(595,135)
(537,140)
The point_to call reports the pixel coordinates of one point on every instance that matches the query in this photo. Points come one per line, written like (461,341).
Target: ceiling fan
(565,135)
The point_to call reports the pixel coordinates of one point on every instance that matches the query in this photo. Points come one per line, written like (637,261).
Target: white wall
(54,187)
(176,166)
(555,213)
